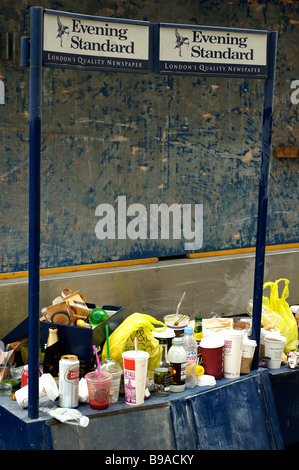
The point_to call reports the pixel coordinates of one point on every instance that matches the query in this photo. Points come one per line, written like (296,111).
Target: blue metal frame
(36,46)
(263,195)
(34,205)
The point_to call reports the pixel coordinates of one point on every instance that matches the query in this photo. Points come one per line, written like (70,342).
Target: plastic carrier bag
(276,313)
(123,338)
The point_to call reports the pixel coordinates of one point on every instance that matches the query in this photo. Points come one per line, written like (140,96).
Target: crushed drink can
(25,375)
(69,381)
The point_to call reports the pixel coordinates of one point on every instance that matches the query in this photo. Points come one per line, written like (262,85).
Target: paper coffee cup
(212,355)
(233,342)
(274,346)
(248,349)
(48,390)
(135,372)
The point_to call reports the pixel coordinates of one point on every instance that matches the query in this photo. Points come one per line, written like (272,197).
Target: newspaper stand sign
(203,50)
(96,43)
(59,39)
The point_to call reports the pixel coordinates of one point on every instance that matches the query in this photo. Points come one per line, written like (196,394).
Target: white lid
(232,332)
(111,365)
(275,336)
(210,342)
(84,421)
(205,380)
(167,333)
(251,342)
(135,354)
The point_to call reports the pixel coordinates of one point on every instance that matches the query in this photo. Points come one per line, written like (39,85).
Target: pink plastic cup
(98,389)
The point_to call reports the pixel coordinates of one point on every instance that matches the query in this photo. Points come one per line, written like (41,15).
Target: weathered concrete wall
(223,284)
(151,138)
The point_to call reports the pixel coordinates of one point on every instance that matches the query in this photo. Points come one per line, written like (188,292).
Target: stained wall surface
(153,139)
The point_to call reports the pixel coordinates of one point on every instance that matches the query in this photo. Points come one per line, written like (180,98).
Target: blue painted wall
(154,139)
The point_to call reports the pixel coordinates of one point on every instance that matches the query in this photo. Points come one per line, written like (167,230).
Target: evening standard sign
(95,43)
(212,51)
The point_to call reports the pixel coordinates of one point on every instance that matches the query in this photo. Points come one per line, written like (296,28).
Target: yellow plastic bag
(279,312)
(123,338)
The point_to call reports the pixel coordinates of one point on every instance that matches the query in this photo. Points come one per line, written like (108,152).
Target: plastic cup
(112,366)
(274,346)
(135,373)
(48,390)
(169,320)
(233,342)
(98,389)
(211,348)
(248,349)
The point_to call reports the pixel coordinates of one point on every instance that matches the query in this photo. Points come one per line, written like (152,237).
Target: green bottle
(97,316)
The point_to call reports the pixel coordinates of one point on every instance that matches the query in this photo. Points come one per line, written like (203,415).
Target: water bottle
(190,346)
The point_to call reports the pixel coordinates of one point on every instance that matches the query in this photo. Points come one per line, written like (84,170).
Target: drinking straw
(98,362)
(179,304)
(99,370)
(107,341)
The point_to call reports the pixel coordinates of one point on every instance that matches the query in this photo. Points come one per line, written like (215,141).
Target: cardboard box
(79,340)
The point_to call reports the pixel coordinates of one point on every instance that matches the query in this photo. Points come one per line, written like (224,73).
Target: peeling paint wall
(154,139)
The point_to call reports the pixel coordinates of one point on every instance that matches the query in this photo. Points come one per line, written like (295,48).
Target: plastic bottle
(97,316)
(162,372)
(177,360)
(198,334)
(52,354)
(190,346)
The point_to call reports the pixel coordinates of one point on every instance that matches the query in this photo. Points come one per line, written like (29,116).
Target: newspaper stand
(35,55)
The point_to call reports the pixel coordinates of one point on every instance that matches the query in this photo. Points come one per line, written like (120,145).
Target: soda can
(25,375)
(69,381)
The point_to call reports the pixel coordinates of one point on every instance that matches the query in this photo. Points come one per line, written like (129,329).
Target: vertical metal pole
(263,196)
(36,28)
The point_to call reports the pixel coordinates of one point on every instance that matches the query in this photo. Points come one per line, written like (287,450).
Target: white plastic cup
(112,366)
(114,387)
(48,390)
(274,346)
(233,343)
(135,373)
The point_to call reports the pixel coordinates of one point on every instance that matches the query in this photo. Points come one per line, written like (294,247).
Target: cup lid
(111,365)
(232,332)
(164,334)
(205,380)
(251,342)
(132,354)
(213,341)
(276,337)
